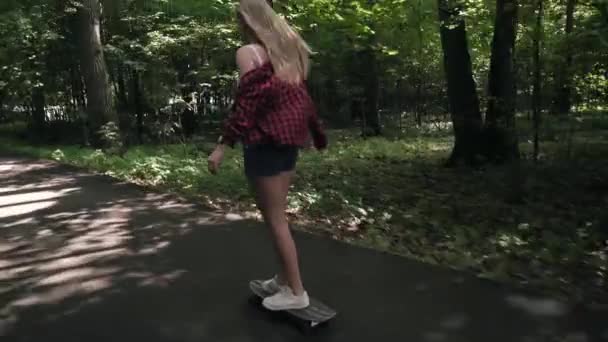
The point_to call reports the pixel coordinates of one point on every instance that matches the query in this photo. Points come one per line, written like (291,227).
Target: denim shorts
(266,160)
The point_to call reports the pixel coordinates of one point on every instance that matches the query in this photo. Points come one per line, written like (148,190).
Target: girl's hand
(215,159)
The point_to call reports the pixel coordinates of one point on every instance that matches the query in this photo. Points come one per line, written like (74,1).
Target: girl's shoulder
(254,49)
(251,56)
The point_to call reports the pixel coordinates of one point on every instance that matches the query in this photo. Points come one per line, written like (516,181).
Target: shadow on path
(86,258)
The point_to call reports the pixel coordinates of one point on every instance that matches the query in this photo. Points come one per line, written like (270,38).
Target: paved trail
(86,258)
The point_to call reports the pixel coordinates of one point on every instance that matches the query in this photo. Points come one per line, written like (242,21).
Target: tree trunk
(420,68)
(536,95)
(38,113)
(73,89)
(562,103)
(122,89)
(420,84)
(500,133)
(462,95)
(2,114)
(79,98)
(136,104)
(331,95)
(99,96)
(370,86)
(124,117)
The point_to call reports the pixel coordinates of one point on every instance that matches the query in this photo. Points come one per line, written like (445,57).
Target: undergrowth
(539,224)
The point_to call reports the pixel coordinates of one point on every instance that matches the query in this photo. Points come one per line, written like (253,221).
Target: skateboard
(313,315)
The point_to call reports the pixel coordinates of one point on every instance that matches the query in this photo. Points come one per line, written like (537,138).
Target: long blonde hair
(287,51)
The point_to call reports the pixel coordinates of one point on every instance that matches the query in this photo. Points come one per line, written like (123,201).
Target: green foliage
(111,136)
(391,195)
(176,46)
(26,36)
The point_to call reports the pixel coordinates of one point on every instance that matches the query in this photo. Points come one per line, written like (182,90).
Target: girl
(272,116)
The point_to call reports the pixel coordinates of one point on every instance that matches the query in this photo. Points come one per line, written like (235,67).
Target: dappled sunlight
(161,280)
(59,287)
(109,229)
(72,267)
(24,221)
(72,238)
(154,247)
(20,209)
(8,166)
(41,191)
(6,200)
(44,184)
(76,275)
(542,307)
(74,260)
(437,146)
(28,202)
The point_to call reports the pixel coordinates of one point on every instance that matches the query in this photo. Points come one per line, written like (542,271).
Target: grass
(537,224)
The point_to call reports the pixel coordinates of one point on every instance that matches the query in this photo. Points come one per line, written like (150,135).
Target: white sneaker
(271,285)
(286,300)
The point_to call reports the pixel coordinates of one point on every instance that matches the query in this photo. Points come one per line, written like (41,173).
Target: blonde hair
(287,51)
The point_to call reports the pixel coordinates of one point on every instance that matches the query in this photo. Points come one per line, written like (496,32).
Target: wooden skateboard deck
(313,315)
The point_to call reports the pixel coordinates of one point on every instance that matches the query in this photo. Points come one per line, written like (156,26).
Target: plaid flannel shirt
(268,110)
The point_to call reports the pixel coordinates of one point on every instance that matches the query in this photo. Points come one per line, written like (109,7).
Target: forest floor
(542,225)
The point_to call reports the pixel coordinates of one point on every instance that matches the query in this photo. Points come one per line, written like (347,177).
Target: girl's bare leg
(272,200)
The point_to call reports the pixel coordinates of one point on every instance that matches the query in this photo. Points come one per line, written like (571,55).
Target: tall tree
(501,136)
(112,15)
(371,115)
(562,102)
(420,79)
(370,80)
(536,92)
(38,110)
(462,94)
(100,109)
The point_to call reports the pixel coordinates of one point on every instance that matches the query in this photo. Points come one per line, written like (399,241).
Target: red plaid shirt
(268,110)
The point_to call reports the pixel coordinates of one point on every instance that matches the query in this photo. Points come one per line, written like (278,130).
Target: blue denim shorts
(266,160)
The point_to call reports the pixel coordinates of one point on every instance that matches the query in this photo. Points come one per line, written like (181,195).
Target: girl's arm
(248,97)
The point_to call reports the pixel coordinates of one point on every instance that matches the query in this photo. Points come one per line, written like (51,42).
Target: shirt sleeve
(248,97)
(316,128)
